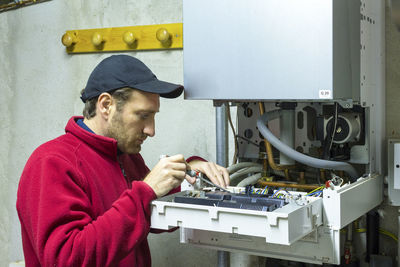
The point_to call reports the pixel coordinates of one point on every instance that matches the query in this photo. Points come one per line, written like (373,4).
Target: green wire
(382,231)
(316,189)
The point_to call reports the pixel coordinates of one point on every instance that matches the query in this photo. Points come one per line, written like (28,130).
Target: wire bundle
(278,193)
(316,192)
(381,231)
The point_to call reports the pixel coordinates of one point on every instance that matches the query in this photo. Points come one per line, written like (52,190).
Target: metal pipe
(222,159)
(289,185)
(240,259)
(350,232)
(222,135)
(223,258)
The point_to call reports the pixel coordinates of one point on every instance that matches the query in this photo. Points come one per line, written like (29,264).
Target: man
(84,197)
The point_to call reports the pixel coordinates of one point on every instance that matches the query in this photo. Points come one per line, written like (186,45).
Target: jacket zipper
(124,174)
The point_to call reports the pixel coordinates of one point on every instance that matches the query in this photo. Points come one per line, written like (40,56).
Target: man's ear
(104,105)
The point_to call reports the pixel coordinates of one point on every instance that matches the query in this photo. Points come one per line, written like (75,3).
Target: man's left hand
(217,174)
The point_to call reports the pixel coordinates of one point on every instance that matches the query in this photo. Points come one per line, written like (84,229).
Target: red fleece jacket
(76,207)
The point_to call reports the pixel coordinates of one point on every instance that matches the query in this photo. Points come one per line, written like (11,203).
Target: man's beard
(117,131)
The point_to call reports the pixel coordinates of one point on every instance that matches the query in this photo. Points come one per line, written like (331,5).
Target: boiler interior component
(327,62)
(348,128)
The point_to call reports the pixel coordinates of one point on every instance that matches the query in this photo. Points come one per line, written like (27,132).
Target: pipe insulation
(287,129)
(250,180)
(297,156)
(236,167)
(245,171)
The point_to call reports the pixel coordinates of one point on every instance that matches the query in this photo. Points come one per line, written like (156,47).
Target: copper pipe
(265,165)
(268,148)
(307,187)
(287,174)
(263,156)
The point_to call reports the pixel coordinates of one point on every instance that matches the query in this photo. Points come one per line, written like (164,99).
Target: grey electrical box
(394,171)
(272,49)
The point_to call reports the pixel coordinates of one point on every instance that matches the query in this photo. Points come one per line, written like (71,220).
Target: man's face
(135,122)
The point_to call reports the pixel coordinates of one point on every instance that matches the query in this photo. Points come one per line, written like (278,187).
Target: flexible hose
(250,180)
(297,156)
(245,171)
(238,176)
(238,166)
(268,147)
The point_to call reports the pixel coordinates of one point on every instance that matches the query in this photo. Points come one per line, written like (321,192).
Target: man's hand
(167,174)
(217,174)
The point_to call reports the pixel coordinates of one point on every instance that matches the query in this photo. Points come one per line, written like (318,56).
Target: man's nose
(149,129)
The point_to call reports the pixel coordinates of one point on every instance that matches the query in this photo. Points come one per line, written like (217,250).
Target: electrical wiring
(316,193)
(389,234)
(255,191)
(381,231)
(315,190)
(235,154)
(265,189)
(278,191)
(334,127)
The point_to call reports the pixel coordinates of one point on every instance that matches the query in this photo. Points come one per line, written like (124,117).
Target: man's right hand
(167,174)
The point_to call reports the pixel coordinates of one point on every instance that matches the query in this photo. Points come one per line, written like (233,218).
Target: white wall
(40,85)
(5,136)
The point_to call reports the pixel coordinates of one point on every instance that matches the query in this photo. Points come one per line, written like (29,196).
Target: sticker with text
(325,94)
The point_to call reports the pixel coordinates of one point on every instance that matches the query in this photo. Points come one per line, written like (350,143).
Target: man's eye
(143,116)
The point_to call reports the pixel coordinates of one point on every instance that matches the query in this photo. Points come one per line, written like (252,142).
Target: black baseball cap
(121,71)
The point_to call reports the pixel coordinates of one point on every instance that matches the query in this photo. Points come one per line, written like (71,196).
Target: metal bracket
(348,103)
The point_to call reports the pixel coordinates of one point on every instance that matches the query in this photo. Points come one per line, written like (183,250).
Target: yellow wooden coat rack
(146,37)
